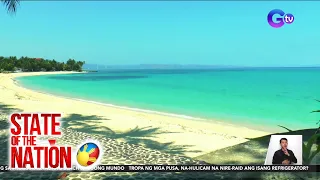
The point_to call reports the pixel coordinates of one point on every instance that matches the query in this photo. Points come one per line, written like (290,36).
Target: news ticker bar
(191,168)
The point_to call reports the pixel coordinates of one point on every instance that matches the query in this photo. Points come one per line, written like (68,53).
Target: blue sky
(119,33)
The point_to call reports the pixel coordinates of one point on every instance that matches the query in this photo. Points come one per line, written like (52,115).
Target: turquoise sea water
(264,97)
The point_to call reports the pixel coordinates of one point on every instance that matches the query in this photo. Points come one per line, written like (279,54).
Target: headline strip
(192,168)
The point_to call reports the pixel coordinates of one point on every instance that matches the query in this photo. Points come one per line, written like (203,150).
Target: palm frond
(11,5)
(315,111)
(285,128)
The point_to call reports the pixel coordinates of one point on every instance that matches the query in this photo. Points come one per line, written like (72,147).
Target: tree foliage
(11,5)
(27,64)
(308,153)
(317,111)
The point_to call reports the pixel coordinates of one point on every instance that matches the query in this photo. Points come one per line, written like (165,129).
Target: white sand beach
(195,137)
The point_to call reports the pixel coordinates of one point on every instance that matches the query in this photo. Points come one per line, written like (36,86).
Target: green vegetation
(26,64)
(308,154)
(316,111)
(11,5)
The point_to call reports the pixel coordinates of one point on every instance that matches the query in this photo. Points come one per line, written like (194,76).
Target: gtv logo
(279,21)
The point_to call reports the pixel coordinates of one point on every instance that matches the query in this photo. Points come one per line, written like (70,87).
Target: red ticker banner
(194,168)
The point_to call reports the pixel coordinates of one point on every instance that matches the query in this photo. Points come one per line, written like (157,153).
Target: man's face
(284,144)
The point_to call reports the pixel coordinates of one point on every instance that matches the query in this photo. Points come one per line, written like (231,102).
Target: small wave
(138,110)
(117,106)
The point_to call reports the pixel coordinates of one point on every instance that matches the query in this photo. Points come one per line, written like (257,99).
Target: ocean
(256,97)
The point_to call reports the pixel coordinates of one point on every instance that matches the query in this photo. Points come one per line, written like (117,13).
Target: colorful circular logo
(277,18)
(88,154)
(288,18)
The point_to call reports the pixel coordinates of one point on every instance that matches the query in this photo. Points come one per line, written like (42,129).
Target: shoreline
(198,133)
(260,127)
(125,107)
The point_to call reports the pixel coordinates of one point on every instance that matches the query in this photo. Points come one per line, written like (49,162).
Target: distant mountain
(93,67)
(167,66)
(174,66)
